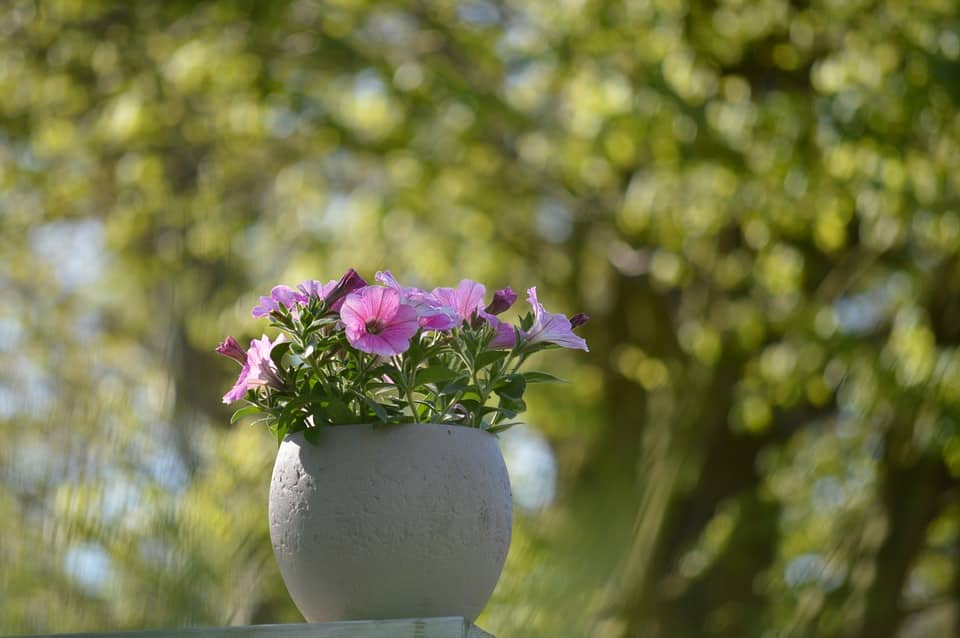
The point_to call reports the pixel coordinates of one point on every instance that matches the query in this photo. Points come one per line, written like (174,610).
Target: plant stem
(520,360)
(406,382)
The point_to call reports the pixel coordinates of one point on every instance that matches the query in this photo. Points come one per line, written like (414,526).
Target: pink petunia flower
(258,369)
(315,288)
(466,299)
(279,296)
(504,334)
(239,389)
(377,322)
(551,328)
(432,314)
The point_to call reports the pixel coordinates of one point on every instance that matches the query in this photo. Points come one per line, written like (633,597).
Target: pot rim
(386,426)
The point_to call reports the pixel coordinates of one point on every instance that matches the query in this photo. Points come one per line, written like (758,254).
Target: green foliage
(757,202)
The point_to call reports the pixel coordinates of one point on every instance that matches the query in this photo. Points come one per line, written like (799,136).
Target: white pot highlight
(395,522)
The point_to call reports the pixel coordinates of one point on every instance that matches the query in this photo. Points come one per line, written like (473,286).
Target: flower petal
(267,305)
(398,322)
(387,279)
(239,389)
(551,327)
(397,335)
(378,303)
(504,337)
(465,299)
(314,288)
(351,312)
(288,296)
(262,369)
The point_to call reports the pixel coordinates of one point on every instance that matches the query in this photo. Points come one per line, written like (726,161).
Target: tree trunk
(911,499)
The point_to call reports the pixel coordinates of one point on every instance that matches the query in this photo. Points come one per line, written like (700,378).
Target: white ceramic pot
(397,521)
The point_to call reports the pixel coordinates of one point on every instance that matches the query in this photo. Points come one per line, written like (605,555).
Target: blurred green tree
(757,202)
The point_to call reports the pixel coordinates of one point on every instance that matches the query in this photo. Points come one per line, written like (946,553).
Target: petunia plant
(349,352)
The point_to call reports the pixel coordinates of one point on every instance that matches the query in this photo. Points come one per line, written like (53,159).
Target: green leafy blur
(757,201)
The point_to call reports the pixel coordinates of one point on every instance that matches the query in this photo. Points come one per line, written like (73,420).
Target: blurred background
(757,201)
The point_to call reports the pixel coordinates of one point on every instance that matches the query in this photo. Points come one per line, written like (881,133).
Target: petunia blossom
(231,348)
(466,299)
(279,296)
(551,328)
(313,288)
(377,322)
(432,314)
(504,334)
(239,389)
(258,369)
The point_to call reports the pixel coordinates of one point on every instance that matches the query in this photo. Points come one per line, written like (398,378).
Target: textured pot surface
(395,522)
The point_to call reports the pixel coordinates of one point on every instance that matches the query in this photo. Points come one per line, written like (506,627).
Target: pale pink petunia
(258,369)
(387,279)
(432,314)
(263,371)
(504,334)
(279,296)
(466,299)
(551,328)
(377,322)
(239,389)
(317,289)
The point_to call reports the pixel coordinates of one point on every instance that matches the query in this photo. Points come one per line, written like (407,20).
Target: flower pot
(397,521)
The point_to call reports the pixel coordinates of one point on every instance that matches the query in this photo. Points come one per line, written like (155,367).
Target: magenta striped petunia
(377,322)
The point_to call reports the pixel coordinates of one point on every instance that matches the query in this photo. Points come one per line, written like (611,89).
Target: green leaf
(510,407)
(434,374)
(281,432)
(377,409)
(526,321)
(511,386)
(423,409)
(470,404)
(489,357)
(454,387)
(276,354)
(320,416)
(496,429)
(312,435)
(338,412)
(245,411)
(542,377)
(384,370)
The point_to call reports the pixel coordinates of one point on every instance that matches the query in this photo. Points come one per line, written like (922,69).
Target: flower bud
(502,300)
(230,348)
(350,281)
(578,320)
